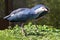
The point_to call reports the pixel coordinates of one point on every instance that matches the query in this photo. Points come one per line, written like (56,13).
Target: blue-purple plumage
(24,14)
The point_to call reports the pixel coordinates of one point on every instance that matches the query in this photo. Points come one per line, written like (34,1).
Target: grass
(43,33)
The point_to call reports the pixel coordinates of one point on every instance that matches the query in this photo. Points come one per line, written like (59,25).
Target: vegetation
(43,33)
(49,19)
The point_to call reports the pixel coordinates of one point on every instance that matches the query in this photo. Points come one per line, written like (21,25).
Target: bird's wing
(21,15)
(17,10)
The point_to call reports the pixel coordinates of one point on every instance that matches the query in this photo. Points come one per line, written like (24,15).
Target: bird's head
(40,8)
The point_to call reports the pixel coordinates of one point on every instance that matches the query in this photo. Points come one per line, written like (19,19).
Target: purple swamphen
(24,14)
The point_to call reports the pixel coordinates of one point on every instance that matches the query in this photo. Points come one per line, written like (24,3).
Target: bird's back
(18,15)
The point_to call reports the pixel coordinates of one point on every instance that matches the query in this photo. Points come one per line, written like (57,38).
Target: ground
(43,33)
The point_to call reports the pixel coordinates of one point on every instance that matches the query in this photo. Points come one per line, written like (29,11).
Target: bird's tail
(6,17)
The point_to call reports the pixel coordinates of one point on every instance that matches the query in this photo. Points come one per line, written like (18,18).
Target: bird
(24,14)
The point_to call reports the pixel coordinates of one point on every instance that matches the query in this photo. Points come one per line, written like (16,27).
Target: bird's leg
(22,27)
(36,25)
